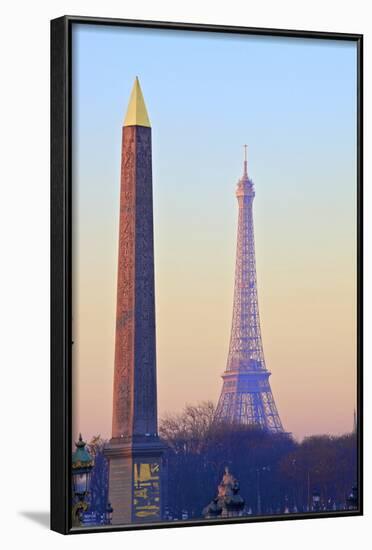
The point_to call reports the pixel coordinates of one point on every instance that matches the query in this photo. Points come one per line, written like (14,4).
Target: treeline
(276,473)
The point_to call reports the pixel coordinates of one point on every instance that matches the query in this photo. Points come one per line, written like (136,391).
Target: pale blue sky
(293,101)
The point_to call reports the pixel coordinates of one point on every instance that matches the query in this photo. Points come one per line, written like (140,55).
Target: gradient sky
(293,101)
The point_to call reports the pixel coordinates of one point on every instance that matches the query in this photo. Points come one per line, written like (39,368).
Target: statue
(228,503)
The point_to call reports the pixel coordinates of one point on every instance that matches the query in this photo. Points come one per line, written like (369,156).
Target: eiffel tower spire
(246,396)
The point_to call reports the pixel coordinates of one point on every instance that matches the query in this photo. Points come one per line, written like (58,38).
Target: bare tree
(190,429)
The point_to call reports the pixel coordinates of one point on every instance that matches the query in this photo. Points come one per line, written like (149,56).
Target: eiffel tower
(246,396)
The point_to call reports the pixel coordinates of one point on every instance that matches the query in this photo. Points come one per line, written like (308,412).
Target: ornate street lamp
(82,465)
(108,513)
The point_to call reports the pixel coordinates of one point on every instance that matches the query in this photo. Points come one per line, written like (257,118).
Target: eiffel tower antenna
(245,173)
(246,396)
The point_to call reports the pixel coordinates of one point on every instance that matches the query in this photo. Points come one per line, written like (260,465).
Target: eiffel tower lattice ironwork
(246,396)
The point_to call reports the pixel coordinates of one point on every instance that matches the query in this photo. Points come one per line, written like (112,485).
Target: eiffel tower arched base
(246,398)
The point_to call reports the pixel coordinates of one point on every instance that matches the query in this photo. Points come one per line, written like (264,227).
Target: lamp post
(109,512)
(352,499)
(316,501)
(82,465)
(258,483)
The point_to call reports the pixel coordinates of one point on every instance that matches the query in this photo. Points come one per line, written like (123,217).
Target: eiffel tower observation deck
(246,396)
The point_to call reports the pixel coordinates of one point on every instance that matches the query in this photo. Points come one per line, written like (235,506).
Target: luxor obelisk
(135,451)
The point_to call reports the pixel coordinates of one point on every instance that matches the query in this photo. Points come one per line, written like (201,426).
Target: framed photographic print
(206,282)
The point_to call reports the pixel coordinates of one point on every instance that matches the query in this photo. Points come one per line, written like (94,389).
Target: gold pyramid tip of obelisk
(137,112)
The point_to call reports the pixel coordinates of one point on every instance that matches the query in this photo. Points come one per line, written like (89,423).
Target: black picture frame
(61,268)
